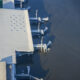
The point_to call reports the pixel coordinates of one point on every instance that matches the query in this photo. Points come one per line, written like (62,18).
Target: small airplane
(43,47)
(40,32)
(38,19)
(28,76)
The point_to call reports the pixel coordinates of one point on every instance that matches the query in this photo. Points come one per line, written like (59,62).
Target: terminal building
(16,39)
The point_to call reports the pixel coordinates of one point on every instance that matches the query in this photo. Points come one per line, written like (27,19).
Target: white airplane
(30,77)
(38,19)
(43,47)
(39,32)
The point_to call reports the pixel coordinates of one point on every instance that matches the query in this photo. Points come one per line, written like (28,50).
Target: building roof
(15,33)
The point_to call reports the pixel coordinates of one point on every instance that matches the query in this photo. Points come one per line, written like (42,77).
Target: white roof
(15,33)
